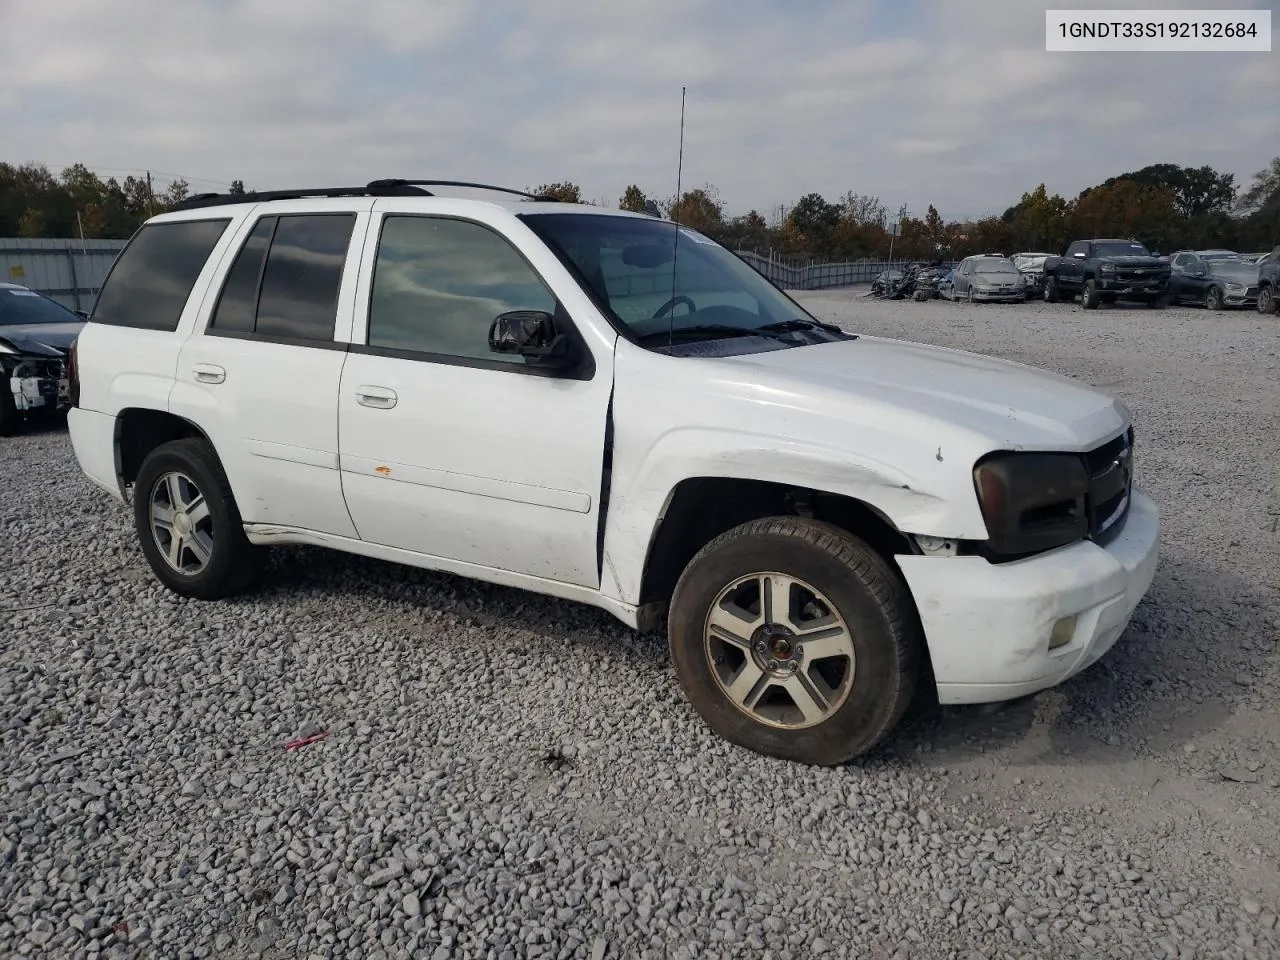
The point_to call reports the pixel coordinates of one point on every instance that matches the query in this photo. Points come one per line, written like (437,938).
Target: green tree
(699,210)
(633,199)
(237,188)
(1195,191)
(1039,221)
(31,223)
(564,191)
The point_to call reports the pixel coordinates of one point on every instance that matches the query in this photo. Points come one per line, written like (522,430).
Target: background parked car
(36,334)
(1215,278)
(1269,282)
(1031,265)
(988,277)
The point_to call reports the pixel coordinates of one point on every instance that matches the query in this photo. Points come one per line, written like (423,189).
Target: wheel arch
(139,430)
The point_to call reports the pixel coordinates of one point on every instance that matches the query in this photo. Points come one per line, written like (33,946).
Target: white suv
(612,409)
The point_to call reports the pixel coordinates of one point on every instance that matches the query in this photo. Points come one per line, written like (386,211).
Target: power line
(143,171)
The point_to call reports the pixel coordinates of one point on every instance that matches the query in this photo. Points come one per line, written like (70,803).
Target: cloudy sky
(953,102)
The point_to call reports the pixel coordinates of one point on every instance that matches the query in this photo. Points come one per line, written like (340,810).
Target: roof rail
(375,188)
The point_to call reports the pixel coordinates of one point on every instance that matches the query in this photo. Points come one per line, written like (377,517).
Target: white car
(612,409)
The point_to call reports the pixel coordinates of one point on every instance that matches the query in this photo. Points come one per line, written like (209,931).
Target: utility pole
(151,209)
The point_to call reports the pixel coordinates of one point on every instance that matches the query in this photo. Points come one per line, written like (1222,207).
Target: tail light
(73,373)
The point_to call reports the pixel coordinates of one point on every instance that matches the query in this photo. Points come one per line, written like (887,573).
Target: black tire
(969,295)
(9,418)
(1213,299)
(1089,297)
(1266,300)
(234,563)
(1159,302)
(859,584)
(1052,294)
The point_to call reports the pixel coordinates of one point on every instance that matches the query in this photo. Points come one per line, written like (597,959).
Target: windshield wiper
(784,326)
(723,329)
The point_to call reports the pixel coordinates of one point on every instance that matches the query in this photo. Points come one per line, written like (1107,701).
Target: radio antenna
(675,216)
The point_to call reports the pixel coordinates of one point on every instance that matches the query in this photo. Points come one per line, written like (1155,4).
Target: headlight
(1032,501)
(1235,286)
(1107,268)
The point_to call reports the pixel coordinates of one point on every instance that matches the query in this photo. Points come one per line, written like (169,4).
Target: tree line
(1164,205)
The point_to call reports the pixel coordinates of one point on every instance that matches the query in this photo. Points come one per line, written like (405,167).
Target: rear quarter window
(151,280)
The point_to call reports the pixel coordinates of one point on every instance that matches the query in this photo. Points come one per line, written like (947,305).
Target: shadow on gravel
(1198,649)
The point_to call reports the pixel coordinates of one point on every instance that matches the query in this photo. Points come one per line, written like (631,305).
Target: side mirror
(1079,255)
(83,314)
(531,334)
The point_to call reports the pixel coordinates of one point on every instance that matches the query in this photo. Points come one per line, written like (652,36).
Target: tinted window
(439,284)
(1077,248)
(300,284)
(149,284)
(19,305)
(239,300)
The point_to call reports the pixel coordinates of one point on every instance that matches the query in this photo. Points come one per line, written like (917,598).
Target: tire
(1213,299)
(968,295)
(9,418)
(217,560)
(1159,302)
(866,694)
(1051,292)
(1089,298)
(1266,300)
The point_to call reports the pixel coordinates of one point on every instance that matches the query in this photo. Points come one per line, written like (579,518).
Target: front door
(448,449)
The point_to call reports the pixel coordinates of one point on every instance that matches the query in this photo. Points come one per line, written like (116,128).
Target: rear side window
(151,280)
(284,282)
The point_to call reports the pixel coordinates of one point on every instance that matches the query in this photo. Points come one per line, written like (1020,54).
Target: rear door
(261,373)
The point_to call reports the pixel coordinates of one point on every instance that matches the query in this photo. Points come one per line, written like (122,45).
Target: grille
(1140,274)
(1110,485)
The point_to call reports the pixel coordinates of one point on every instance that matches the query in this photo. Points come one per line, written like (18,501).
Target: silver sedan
(988,277)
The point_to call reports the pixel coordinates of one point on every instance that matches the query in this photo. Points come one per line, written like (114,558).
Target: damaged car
(1213,278)
(36,334)
(1031,266)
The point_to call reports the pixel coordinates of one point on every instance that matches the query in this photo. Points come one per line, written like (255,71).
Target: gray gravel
(508,776)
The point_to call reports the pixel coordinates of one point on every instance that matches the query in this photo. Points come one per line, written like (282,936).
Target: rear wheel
(1089,298)
(188,524)
(1213,299)
(795,639)
(1266,300)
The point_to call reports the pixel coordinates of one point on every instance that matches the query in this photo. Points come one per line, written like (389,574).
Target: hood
(999,403)
(1241,271)
(41,339)
(1127,260)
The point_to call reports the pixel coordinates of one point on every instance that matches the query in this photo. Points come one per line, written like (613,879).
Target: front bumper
(988,626)
(1012,295)
(1246,298)
(1134,289)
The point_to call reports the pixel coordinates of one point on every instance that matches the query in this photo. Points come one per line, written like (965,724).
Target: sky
(949,102)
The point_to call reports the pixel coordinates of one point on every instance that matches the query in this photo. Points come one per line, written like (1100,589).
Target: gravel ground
(510,776)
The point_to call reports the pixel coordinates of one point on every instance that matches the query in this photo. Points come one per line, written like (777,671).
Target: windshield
(995,266)
(19,305)
(1120,248)
(628,263)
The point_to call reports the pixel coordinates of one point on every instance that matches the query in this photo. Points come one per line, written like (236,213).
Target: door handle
(209,373)
(380,398)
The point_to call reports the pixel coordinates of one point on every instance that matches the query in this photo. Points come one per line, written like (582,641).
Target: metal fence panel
(67,270)
(818,276)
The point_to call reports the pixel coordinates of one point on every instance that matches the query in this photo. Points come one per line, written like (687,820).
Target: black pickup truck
(1104,271)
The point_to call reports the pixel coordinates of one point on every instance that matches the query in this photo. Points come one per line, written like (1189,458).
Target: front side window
(656,280)
(439,283)
(152,278)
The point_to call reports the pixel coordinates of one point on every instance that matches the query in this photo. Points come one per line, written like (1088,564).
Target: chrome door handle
(209,373)
(380,398)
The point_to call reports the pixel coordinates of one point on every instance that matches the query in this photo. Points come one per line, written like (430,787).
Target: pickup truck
(612,409)
(1104,271)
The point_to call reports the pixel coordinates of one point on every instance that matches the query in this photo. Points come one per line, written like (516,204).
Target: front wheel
(1213,299)
(9,419)
(795,639)
(188,524)
(1159,301)
(1266,300)
(1089,297)
(1051,292)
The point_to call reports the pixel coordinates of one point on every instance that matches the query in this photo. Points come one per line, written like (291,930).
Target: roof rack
(375,188)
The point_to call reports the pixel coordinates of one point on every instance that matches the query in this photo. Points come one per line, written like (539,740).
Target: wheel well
(702,508)
(139,431)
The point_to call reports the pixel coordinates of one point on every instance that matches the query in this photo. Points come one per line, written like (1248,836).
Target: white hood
(1011,405)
